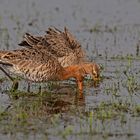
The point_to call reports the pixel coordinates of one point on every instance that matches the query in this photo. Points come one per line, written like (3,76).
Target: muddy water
(109,31)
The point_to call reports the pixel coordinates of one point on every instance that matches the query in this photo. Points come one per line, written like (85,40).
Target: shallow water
(109,32)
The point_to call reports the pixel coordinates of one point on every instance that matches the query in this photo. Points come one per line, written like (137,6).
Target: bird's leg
(11,78)
(28,86)
(79,99)
(40,89)
(15,82)
(80,86)
(14,85)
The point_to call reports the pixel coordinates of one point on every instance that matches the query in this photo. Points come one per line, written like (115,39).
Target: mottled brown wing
(74,44)
(57,47)
(60,44)
(57,43)
(71,39)
(28,65)
(28,54)
(63,42)
(30,40)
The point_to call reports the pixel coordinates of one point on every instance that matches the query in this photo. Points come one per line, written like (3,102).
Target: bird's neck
(71,72)
(74,71)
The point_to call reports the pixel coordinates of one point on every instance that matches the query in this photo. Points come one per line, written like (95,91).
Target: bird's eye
(94,73)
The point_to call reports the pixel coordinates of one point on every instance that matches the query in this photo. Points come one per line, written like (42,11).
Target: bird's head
(93,70)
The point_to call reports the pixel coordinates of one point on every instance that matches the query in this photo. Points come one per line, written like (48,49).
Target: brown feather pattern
(63,45)
(55,56)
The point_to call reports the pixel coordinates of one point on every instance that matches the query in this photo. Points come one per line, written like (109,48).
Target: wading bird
(55,56)
(45,68)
